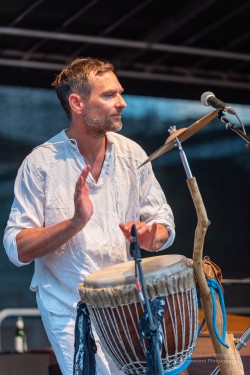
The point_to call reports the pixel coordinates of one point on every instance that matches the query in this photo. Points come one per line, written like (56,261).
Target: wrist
(76,224)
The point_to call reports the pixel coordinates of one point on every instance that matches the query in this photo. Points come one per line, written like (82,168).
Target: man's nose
(121,102)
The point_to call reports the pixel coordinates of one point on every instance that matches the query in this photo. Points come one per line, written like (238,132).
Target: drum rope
(99,325)
(183,325)
(127,331)
(125,363)
(193,318)
(123,355)
(173,322)
(179,369)
(214,285)
(172,362)
(109,335)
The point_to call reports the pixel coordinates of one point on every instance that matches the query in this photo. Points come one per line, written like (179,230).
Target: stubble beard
(98,127)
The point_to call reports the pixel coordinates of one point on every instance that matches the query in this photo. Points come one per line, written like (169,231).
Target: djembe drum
(115,308)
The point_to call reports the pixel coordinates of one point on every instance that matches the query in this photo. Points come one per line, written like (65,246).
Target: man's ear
(76,103)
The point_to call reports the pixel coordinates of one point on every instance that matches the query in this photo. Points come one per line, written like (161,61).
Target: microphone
(208,99)
(133,241)
(136,254)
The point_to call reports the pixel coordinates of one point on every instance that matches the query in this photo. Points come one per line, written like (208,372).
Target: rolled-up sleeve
(26,210)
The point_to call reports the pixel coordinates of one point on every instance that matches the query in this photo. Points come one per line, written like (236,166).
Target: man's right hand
(83,203)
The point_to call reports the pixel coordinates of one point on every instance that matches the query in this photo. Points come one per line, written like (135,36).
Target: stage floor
(204,358)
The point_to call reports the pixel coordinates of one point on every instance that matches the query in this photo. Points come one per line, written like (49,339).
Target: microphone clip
(229,125)
(134,244)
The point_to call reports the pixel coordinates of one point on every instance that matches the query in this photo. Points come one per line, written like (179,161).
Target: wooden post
(229,360)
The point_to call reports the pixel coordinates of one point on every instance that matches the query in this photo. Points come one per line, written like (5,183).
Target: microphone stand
(136,253)
(221,116)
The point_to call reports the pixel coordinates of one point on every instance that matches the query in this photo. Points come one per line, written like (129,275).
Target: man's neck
(91,148)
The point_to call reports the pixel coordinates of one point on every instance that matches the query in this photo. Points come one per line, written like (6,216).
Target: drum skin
(116,308)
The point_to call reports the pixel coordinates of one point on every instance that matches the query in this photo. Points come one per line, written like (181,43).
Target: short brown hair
(76,78)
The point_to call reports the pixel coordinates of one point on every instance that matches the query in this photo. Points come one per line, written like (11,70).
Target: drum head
(124,273)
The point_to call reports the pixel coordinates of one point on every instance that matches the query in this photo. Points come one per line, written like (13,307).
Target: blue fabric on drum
(85,347)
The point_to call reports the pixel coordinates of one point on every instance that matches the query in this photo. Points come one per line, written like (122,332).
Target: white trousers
(60,330)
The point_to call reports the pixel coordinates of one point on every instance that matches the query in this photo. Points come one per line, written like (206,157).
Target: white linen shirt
(44,196)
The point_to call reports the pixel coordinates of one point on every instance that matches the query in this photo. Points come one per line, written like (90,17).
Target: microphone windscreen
(204,98)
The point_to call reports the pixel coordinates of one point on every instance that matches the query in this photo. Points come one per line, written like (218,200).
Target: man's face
(103,110)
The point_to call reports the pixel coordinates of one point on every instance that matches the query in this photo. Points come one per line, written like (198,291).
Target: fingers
(126,229)
(146,233)
(141,227)
(81,188)
(82,179)
(85,172)
(82,201)
(153,229)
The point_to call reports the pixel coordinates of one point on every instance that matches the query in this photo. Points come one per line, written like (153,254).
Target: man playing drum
(76,199)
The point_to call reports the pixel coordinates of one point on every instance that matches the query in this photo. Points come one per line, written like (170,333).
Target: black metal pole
(135,249)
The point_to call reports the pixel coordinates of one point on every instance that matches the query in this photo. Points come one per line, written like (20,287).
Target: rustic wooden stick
(228,359)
